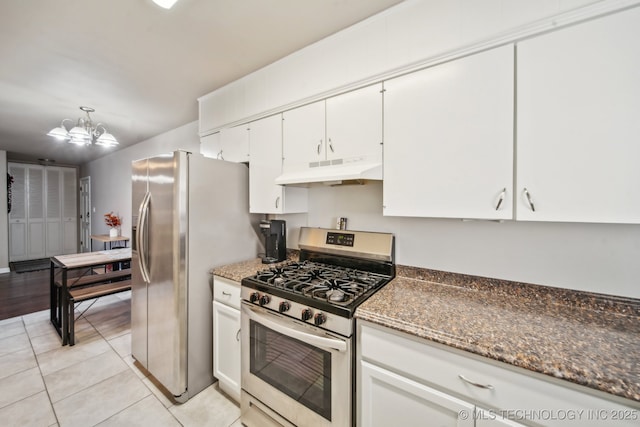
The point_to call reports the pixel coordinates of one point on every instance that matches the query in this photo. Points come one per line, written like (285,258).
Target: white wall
(601,258)
(111,175)
(4,217)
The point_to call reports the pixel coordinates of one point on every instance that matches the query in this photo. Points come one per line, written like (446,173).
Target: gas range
(297,325)
(337,271)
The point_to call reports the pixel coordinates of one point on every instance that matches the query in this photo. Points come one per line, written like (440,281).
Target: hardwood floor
(23,293)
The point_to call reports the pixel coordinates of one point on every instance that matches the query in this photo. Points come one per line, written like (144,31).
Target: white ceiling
(140,66)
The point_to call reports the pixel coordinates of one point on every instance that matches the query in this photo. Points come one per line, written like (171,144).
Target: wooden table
(105,238)
(84,263)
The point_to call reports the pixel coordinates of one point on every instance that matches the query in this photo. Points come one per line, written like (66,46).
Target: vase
(113,232)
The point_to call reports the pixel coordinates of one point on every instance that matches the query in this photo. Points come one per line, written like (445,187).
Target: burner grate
(334,284)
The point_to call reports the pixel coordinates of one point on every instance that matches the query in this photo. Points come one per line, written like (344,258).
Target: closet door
(36,235)
(53,211)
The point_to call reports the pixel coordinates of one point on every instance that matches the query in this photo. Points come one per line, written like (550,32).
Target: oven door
(300,372)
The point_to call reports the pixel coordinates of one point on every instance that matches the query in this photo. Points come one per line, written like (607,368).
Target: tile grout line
(152,394)
(44,383)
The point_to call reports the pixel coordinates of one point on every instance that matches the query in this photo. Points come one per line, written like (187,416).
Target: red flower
(112,220)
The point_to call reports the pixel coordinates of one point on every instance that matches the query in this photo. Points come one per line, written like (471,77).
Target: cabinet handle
(331,146)
(319,147)
(528,196)
(501,199)
(277,202)
(226,293)
(485,386)
(238,335)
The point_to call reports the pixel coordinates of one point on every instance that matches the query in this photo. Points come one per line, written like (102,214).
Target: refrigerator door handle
(141,236)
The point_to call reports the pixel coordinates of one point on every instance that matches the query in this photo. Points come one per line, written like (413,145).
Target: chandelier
(84,132)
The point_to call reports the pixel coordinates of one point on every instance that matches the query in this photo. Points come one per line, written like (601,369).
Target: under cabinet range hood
(332,174)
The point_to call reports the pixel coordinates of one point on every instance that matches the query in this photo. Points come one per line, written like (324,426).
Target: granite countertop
(585,338)
(240,270)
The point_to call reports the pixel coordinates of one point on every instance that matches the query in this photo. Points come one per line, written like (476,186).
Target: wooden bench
(92,287)
(89,279)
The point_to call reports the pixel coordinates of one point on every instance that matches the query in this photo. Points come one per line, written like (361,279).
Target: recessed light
(167,4)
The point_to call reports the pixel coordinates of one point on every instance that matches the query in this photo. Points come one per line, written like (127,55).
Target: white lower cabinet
(389,399)
(226,335)
(408,381)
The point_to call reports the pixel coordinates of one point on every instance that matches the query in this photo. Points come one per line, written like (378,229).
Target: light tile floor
(93,383)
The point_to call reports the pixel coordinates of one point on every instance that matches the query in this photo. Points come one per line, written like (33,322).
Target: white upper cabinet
(448,139)
(346,128)
(578,129)
(230,144)
(265,145)
(354,126)
(303,136)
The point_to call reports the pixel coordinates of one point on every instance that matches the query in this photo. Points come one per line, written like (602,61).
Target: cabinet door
(486,418)
(265,146)
(303,136)
(448,139)
(578,127)
(234,144)
(354,126)
(389,399)
(226,347)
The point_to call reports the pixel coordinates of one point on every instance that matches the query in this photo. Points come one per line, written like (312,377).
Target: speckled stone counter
(240,270)
(586,338)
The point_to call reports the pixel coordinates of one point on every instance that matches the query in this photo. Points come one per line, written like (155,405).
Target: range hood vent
(333,174)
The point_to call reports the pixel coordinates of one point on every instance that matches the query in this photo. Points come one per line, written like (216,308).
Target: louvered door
(53,211)
(43,216)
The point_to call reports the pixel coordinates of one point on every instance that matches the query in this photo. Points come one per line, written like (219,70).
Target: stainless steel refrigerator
(190,213)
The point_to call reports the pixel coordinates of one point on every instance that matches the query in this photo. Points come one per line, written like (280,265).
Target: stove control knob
(284,306)
(264,300)
(319,319)
(254,296)
(306,314)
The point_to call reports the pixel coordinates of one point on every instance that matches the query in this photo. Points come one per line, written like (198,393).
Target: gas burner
(336,290)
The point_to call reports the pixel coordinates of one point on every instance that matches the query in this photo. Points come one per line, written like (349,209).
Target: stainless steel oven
(298,328)
(295,369)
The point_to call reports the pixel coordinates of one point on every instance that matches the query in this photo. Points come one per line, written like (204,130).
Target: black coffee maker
(275,240)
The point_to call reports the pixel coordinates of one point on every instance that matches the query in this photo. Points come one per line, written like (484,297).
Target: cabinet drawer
(511,388)
(226,291)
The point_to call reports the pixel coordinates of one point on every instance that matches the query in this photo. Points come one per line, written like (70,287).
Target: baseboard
(5,270)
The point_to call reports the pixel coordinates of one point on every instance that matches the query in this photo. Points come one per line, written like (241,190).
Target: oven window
(299,370)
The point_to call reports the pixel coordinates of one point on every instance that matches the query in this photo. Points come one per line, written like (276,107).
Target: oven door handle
(315,340)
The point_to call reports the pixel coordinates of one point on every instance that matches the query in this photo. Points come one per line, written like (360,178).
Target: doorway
(85,214)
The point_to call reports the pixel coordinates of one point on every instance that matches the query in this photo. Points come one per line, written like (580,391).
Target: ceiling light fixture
(167,4)
(84,132)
